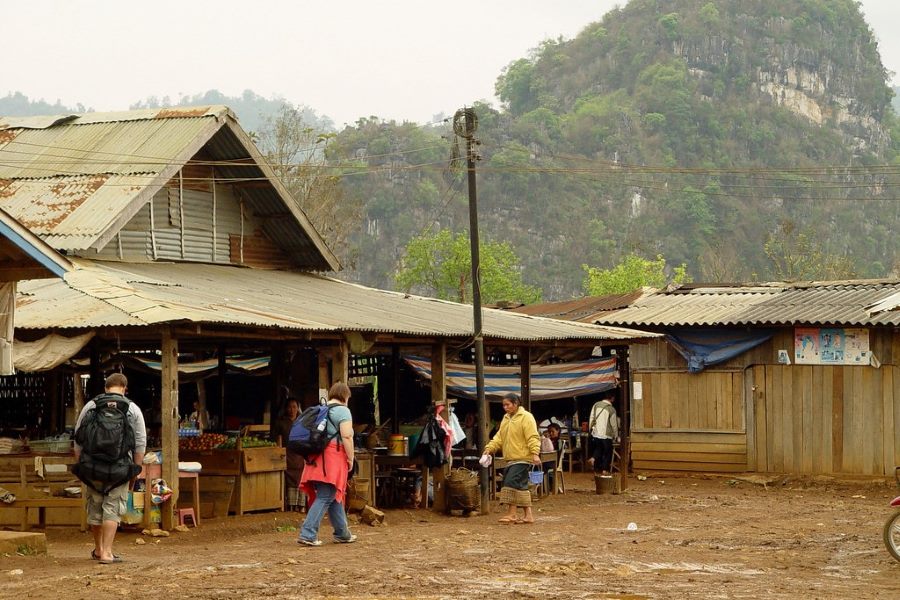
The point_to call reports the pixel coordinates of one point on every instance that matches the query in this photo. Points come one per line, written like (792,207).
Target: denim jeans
(325,502)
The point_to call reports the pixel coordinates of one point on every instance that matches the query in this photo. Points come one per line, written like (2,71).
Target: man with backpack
(110,440)
(604,429)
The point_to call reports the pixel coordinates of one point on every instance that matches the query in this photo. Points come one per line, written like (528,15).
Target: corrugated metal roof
(28,249)
(580,309)
(818,303)
(99,294)
(71,179)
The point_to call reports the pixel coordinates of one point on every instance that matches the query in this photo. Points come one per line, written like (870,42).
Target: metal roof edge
(33,246)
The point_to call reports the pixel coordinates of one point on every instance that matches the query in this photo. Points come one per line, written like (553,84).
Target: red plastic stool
(186,512)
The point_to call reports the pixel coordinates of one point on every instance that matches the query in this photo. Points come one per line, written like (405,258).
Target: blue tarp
(706,347)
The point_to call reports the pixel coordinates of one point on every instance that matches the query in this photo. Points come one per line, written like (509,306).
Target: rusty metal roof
(580,309)
(98,294)
(76,179)
(23,255)
(848,303)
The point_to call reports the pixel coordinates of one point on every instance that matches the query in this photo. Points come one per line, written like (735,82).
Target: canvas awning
(548,382)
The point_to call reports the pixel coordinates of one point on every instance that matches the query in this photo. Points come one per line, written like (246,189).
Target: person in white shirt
(604,429)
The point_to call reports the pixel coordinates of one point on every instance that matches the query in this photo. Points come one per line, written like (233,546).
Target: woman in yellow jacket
(518,438)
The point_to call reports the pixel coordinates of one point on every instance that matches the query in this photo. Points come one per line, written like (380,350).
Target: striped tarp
(563,380)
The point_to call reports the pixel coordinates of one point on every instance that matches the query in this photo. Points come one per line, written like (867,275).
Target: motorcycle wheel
(892,535)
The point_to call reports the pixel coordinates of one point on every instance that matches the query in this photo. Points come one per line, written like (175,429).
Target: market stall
(255,465)
(37,489)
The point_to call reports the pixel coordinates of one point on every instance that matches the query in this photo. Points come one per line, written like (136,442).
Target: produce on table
(205,441)
(248,441)
(220,441)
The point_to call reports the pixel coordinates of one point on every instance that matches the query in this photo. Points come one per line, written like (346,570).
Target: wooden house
(769,378)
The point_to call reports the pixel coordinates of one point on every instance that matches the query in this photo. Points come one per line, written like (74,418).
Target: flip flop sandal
(95,557)
(506,520)
(116,559)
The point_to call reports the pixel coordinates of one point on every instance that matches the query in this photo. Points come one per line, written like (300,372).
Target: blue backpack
(309,434)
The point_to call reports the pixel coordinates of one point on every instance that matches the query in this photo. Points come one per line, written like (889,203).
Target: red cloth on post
(331,468)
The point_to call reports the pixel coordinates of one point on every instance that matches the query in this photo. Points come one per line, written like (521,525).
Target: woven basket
(463,489)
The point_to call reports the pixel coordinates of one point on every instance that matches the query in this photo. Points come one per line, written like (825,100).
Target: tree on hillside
(631,274)
(296,151)
(799,255)
(440,264)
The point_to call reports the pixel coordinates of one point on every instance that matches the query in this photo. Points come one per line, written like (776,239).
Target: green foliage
(631,274)
(669,24)
(440,264)
(800,255)
(709,15)
(516,87)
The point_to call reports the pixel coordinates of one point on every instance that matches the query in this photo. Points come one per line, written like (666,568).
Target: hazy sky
(401,59)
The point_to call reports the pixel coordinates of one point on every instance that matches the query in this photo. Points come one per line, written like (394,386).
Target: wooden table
(499,462)
(387,460)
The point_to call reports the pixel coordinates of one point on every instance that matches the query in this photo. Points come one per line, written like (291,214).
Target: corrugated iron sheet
(580,309)
(826,303)
(112,294)
(68,178)
(69,211)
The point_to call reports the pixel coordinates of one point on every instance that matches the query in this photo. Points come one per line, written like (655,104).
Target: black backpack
(309,433)
(107,440)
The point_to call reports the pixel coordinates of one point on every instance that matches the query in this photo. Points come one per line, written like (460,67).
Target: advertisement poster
(831,346)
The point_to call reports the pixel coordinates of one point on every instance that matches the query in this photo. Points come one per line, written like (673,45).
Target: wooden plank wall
(826,419)
(714,451)
(707,401)
(689,422)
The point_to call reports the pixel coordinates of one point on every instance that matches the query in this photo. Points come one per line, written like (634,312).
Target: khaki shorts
(110,507)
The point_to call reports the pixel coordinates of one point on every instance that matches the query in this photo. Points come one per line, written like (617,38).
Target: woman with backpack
(324,478)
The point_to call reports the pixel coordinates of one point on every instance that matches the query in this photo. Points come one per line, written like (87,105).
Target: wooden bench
(35,494)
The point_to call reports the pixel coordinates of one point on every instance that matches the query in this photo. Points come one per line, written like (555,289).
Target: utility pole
(465,123)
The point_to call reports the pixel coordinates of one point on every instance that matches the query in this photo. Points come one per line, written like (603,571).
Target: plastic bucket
(398,445)
(536,477)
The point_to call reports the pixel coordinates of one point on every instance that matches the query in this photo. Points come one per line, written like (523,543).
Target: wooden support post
(324,373)
(276,400)
(79,395)
(96,383)
(438,374)
(395,377)
(525,374)
(223,368)
(170,420)
(625,412)
(439,398)
(340,365)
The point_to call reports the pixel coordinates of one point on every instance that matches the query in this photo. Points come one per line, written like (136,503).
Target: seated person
(550,443)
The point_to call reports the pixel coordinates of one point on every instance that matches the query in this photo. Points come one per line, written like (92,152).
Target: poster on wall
(831,346)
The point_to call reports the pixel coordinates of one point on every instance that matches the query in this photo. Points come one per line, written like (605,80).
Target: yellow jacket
(517,437)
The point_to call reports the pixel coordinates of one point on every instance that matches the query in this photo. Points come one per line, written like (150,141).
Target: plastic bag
(159,491)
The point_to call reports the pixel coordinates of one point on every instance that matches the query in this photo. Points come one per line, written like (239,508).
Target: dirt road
(710,537)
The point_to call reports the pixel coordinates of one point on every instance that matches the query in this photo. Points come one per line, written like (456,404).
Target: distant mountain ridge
(688,128)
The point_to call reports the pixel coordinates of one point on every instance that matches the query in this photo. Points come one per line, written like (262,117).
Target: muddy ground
(700,536)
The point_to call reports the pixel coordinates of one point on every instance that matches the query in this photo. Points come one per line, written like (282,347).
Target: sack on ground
(106,439)
(309,433)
